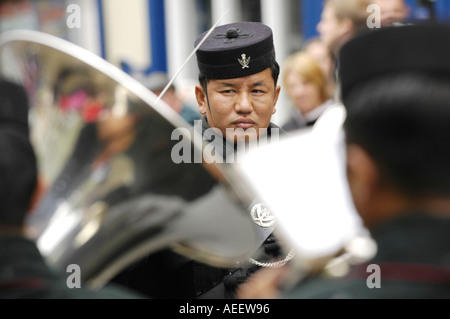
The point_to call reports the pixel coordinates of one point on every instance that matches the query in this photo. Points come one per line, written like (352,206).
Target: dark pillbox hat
(235,50)
(423,48)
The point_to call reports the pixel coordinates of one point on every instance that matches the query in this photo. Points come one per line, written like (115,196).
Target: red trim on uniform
(29,283)
(419,273)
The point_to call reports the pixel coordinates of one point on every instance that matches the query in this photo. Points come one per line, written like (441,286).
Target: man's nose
(243,103)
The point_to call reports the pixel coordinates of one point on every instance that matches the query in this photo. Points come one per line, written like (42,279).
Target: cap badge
(244,61)
(262,216)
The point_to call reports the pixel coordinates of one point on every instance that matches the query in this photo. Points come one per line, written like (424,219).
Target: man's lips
(244,123)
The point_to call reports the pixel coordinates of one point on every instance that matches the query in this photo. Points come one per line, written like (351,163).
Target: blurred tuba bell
(111,192)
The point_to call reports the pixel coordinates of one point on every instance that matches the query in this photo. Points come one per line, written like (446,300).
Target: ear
(363,178)
(201,99)
(275,99)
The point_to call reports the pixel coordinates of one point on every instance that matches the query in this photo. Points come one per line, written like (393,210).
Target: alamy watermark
(374,279)
(217,150)
(74,279)
(73,20)
(374,19)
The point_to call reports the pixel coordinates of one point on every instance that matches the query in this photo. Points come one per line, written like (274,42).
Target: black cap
(235,50)
(423,48)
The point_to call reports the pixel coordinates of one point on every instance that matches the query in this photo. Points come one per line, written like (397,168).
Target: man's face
(242,105)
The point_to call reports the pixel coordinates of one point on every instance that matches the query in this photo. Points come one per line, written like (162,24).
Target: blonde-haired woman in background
(307,87)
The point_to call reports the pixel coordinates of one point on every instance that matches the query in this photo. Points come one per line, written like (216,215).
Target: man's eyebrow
(258,83)
(229,84)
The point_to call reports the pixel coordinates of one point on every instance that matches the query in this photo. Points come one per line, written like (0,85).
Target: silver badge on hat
(244,61)
(262,216)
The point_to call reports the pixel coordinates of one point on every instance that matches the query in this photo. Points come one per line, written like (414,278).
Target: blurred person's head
(317,49)
(305,82)
(238,78)
(341,20)
(18,165)
(392,11)
(157,82)
(398,110)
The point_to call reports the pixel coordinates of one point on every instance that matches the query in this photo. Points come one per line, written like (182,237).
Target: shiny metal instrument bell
(111,192)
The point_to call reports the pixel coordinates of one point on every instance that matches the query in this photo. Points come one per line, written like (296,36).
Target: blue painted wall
(310,16)
(157,36)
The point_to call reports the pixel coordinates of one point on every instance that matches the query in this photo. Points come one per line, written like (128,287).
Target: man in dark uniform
(23,271)
(395,90)
(237,95)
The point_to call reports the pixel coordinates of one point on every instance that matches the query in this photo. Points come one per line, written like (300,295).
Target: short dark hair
(402,121)
(274,68)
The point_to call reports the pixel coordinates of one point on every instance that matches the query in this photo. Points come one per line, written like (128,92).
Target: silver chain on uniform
(275,264)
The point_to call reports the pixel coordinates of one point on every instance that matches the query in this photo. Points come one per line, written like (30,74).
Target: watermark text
(217,149)
(374,19)
(73,20)
(74,279)
(374,279)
